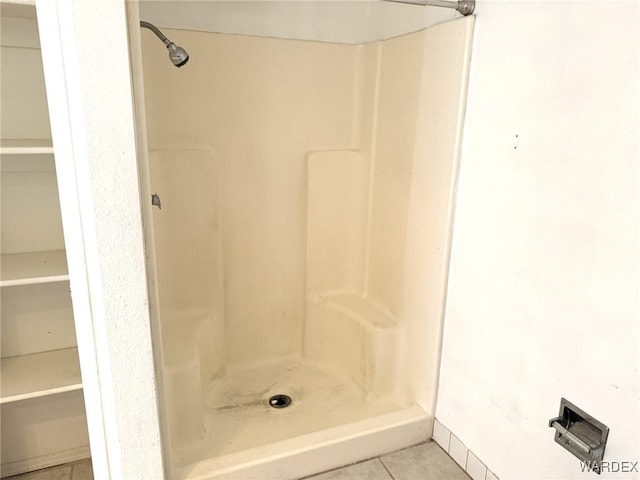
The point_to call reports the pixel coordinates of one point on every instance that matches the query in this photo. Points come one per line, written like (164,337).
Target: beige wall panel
(441,105)
(261,104)
(394,137)
(187,232)
(336,221)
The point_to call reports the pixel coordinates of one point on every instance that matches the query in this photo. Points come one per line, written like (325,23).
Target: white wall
(544,281)
(92,123)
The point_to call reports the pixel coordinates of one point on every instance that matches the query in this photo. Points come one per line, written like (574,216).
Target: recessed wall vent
(581,434)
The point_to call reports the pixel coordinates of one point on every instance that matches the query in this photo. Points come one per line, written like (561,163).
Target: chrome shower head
(177,55)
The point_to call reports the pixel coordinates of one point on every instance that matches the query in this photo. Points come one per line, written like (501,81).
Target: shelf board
(6,3)
(32,268)
(39,374)
(25,147)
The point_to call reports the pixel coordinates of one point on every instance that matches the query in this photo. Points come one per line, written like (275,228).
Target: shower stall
(298,241)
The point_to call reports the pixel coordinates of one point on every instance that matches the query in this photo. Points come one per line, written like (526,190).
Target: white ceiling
(338,21)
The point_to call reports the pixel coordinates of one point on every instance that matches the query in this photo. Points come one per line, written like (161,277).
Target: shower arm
(158,33)
(465,7)
(177,55)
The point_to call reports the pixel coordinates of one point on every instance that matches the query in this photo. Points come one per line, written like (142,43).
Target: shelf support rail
(465,7)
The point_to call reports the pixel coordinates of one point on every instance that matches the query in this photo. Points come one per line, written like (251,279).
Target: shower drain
(280,401)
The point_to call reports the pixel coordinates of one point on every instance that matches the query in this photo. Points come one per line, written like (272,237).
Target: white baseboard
(464,457)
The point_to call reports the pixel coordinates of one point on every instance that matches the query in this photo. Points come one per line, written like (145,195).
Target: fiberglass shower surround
(301,251)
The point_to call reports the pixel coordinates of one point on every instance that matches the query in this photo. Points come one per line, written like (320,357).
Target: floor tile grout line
(307,477)
(379,457)
(384,465)
(423,442)
(348,465)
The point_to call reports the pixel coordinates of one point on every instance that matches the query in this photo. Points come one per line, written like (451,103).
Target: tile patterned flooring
(81,470)
(426,461)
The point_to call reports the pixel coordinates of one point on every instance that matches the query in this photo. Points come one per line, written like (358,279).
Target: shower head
(177,55)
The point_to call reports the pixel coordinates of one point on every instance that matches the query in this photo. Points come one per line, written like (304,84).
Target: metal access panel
(581,434)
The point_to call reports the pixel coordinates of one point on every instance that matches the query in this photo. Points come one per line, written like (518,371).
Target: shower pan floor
(238,416)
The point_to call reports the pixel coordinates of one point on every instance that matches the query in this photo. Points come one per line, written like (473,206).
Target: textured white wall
(87,73)
(544,281)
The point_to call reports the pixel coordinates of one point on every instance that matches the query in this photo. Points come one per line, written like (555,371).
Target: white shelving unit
(42,413)
(26,147)
(32,268)
(39,375)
